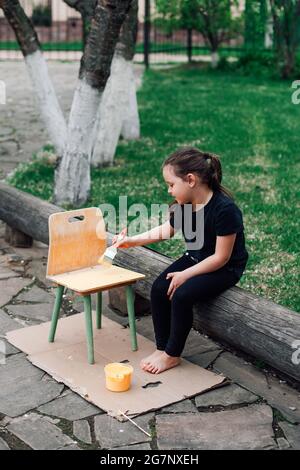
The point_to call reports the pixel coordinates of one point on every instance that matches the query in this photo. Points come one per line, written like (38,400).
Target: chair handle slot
(76,218)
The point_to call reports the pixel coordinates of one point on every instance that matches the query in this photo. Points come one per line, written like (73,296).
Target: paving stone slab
(6,348)
(226,396)
(6,273)
(204,359)
(36,294)
(248,428)
(283,443)
(39,433)
(10,288)
(70,447)
(3,445)
(17,368)
(143,446)
(82,431)
(22,387)
(37,269)
(5,131)
(292,433)
(278,395)
(185,406)
(7,323)
(36,312)
(197,343)
(111,433)
(71,407)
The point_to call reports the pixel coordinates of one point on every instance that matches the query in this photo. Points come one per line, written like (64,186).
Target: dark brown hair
(204,164)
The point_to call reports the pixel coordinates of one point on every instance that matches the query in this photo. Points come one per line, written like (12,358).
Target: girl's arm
(156,234)
(224,247)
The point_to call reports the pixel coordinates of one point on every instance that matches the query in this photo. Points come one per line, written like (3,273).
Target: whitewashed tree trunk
(111,113)
(118,108)
(214,59)
(49,107)
(72,177)
(73,174)
(131,122)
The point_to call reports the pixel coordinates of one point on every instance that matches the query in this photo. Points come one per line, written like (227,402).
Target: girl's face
(179,189)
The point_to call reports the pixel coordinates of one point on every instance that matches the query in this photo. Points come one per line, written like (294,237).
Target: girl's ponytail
(216,175)
(206,165)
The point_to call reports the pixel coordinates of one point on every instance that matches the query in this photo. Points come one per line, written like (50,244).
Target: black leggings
(173,320)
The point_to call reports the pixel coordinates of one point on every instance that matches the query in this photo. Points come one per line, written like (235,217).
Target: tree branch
(22,26)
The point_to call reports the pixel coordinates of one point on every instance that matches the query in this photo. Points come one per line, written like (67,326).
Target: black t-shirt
(220,216)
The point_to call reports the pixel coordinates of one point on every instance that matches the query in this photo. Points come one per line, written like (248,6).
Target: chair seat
(99,277)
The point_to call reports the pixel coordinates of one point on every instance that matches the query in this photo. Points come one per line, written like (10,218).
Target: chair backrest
(76,240)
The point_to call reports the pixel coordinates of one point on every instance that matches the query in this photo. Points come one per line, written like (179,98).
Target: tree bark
(214,59)
(118,110)
(72,178)
(36,64)
(86,8)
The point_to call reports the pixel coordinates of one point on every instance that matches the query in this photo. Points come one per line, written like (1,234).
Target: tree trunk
(286,34)
(289,63)
(86,8)
(214,59)
(111,112)
(131,122)
(118,109)
(72,178)
(50,110)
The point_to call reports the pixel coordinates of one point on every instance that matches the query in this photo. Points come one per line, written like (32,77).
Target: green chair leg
(99,310)
(89,327)
(55,314)
(131,316)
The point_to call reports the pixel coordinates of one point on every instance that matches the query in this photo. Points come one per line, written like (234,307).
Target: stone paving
(255,410)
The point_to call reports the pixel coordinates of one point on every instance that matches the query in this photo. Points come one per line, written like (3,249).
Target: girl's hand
(178,278)
(121,240)
(124,243)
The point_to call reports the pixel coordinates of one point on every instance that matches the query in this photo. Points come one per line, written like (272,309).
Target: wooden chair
(77,239)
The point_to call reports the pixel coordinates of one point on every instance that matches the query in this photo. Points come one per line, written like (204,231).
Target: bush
(41,16)
(258,63)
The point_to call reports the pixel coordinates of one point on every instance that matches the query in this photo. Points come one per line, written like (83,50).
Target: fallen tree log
(247,322)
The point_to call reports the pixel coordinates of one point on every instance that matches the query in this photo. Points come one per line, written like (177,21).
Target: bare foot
(161,363)
(147,360)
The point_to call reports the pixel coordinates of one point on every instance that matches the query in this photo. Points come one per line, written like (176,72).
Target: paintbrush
(111,251)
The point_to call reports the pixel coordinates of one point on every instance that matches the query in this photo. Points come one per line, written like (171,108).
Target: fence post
(147,33)
(189,44)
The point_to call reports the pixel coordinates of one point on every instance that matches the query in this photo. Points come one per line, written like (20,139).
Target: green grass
(252,124)
(159,47)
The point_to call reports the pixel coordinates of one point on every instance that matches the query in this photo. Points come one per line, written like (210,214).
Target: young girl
(204,271)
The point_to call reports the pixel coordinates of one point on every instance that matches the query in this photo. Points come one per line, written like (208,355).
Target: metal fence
(60,32)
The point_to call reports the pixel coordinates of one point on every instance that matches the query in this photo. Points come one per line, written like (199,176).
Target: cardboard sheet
(66,361)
